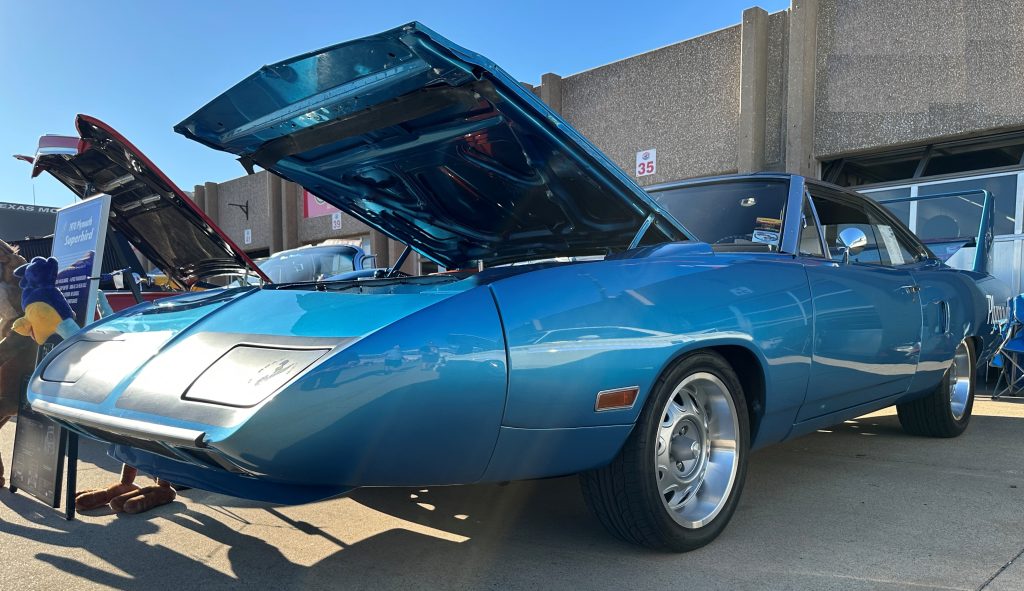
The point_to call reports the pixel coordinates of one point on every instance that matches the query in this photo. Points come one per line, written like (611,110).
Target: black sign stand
(39,454)
(45,456)
(69,494)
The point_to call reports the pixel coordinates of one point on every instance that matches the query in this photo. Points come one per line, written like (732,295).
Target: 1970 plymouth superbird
(646,344)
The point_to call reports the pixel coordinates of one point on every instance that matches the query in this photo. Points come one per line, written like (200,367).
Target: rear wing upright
(950,245)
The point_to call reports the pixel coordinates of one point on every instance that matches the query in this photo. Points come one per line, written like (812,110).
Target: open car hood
(436,147)
(147,208)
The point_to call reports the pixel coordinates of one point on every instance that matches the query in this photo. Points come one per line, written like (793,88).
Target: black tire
(933,415)
(625,495)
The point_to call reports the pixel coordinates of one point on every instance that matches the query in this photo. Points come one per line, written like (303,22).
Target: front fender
(621,323)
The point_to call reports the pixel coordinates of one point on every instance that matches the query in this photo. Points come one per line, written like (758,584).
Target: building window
(938,221)
(938,217)
(947,158)
(958,215)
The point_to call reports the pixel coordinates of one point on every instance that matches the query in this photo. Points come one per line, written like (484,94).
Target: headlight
(103,354)
(71,364)
(246,375)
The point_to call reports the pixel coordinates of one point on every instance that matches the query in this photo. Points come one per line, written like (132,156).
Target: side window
(884,245)
(810,235)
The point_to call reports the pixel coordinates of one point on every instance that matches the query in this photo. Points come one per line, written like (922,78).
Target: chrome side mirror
(850,242)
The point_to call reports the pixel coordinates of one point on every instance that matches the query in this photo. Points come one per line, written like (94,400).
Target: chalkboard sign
(38,466)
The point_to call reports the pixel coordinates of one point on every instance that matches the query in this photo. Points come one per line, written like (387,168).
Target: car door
(867,313)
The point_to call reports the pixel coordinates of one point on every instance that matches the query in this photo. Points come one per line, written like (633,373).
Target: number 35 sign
(645,162)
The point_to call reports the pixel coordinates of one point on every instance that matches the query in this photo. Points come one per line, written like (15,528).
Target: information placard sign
(39,443)
(78,241)
(38,464)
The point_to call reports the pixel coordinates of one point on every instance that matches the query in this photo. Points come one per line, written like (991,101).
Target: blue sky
(143,67)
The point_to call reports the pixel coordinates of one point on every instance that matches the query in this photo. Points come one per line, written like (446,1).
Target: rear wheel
(947,410)
(676,482)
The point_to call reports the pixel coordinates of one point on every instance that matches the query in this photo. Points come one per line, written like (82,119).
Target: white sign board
(78,240)
(646,162)
(247,237)
(336,220)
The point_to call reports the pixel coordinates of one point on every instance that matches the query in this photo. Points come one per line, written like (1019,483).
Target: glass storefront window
(957,215)
(943,222)
(961,215)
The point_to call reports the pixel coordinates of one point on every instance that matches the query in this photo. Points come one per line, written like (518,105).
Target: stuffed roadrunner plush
(46,313)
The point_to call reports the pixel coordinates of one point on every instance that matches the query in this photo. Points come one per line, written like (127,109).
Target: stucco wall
(891,72)
(682,99)
(254,190)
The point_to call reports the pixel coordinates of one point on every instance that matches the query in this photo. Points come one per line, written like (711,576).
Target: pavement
(857,506)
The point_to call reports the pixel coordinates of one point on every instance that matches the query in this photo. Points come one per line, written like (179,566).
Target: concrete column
(212,202)
(275,213)
(753,90)
(551,91)
(395,249)
(291,197)
(803,47)
(199,197)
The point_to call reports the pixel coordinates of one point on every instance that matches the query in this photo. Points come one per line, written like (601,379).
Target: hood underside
(147,208)
(436,147)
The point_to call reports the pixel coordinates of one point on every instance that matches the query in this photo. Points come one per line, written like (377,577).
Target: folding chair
(1009,356)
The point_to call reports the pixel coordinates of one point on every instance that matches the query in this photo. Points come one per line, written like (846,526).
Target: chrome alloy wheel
(696,457)
(960,373)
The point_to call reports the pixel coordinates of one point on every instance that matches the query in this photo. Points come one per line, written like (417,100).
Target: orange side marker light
(617,399)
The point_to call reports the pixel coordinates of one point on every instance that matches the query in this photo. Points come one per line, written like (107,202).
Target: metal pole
(72,459)
(400,261)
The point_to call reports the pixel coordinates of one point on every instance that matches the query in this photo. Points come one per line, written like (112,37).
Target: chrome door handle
(910,289)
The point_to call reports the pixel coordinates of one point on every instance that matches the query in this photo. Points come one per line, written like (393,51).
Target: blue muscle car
(646,343)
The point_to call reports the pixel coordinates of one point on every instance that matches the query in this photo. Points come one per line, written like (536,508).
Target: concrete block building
(893,97)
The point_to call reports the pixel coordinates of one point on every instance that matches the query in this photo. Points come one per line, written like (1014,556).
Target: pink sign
(314,207)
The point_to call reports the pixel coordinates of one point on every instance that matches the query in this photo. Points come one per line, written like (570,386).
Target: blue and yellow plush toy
(46,311)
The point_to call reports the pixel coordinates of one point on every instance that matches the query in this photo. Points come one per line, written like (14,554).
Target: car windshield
(309,264)
(737,215)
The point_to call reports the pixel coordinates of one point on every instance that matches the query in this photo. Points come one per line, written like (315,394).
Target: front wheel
(947,410)
(676,482)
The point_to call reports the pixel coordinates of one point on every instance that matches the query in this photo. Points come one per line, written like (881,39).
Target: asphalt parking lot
(859,506)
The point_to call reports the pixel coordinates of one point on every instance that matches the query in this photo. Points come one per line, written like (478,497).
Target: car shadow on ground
(523,532)
(488,516)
